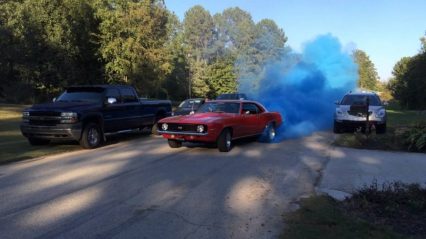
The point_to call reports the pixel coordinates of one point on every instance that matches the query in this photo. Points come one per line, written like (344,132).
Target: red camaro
(221,121)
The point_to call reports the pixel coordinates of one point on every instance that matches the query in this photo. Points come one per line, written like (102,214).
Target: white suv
(351,112)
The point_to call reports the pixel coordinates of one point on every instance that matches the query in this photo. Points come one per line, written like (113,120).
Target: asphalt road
(143,189)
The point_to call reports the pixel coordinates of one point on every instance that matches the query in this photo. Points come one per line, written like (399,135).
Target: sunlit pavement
(143,189)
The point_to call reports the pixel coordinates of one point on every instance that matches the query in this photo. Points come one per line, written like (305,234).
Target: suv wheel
(337,128)
(224,142)
(381,129)
(92,136)
(37,141)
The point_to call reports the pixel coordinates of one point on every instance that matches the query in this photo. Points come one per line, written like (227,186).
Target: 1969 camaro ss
(221,121)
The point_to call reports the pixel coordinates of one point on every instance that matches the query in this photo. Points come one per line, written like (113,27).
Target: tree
(132,36)
(368,77)
(222,77)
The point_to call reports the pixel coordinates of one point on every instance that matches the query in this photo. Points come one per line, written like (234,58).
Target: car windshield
(360,100)
(81,95)
(220,107)
(193,104)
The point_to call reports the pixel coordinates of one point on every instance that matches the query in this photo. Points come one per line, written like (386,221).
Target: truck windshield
(93,95)
(360,100)
(190,104)
(220,107)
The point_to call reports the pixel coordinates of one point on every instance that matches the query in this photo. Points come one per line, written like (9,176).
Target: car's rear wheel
(224,142)
(37,141)
(174,143)
(269,133)
(92,136)
(381,129)
(337,128)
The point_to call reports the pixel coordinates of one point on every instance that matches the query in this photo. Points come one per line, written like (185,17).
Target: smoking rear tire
(36,141)
(174,143)
(381,129)
(224,142)
(269,133)
(92,136)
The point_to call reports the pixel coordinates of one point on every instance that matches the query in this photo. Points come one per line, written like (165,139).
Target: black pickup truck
(89,113)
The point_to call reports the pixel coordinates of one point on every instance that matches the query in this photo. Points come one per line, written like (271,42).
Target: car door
(250,118)
(131,111)
(112,112)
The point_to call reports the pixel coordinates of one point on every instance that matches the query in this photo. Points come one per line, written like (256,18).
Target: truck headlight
(339,111)
(200,128)
(26,116)
(69,117)
(164,126)
(381,113)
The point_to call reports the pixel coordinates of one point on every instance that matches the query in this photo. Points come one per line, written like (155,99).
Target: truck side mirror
(54,99)
(111,100)
(385,103)
(337,102)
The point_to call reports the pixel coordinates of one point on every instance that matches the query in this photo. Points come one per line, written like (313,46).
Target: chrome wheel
(272,133)
(93,136)
(228,140)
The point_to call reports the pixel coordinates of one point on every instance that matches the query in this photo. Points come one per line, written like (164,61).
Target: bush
(415,138)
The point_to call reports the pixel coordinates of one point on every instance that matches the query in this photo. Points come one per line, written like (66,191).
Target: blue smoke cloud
(303,87)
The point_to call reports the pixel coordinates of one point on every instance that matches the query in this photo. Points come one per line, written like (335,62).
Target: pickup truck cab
(89,113)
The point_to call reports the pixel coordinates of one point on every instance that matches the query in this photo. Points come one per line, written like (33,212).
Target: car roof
(235,101)
(361,93)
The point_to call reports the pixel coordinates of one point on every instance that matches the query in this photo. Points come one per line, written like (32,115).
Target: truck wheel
(92,136)
(174,143)
(224,142)
(381,129)
(337,128)
(37,141)
(154,129)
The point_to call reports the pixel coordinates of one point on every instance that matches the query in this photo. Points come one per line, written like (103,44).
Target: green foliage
(368,78)
(222,77)
(415,138)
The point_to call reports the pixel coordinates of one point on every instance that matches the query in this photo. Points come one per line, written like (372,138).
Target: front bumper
(356,124)
(189,136)
(63,131)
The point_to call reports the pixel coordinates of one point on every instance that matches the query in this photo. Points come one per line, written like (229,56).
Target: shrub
(415,138)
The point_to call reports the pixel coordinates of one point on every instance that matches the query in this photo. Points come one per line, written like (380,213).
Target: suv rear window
(360,100)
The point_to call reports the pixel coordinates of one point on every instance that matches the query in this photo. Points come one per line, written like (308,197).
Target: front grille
(45,118)
(190,128)
(358,113)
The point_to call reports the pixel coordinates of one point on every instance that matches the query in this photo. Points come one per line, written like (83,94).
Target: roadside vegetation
(393,210)
(406,131)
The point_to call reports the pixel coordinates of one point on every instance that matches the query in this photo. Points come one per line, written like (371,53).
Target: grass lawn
(398,123)
(13,146)
(393,210)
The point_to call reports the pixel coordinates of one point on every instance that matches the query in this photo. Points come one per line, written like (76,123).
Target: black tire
(174,143)
(337,128)
(224,142)
(381,129)
(268,134)
(37,141)
(92,136)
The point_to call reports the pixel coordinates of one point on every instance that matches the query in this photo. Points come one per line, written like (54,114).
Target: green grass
(392,210)
(322,217)
(398,123)
(14,147)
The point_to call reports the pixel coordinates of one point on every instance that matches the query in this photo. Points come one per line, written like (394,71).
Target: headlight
(381,113)
(200,128)
(69,117)
(339,111)
(25,116)
(164,126)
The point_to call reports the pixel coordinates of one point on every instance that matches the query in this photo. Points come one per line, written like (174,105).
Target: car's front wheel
(174,143)
(337,128)
(381,129)
(92,136)
(224,142)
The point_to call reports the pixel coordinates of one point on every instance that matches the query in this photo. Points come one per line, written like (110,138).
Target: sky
(386,30)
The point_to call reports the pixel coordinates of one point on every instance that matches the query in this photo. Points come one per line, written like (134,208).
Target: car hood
(200,118)
(64,106)
(346,108)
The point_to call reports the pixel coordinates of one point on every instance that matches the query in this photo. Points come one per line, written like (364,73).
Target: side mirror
(247,112)
(337,102)
(385,103)
(111,100)
(54,99)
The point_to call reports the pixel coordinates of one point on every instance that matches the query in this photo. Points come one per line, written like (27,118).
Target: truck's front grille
(44,118)
(182,127)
